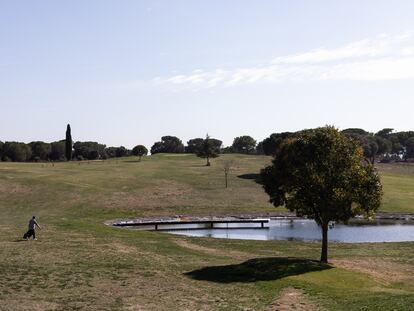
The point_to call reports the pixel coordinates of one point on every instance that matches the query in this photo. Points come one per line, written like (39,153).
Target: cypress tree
(68,144)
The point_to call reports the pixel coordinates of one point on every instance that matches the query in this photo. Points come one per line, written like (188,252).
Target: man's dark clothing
(31,232)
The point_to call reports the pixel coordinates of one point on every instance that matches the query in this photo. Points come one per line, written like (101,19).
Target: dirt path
(292,299)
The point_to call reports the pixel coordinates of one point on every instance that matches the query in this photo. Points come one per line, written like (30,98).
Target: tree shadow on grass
(253,176)
(258,269)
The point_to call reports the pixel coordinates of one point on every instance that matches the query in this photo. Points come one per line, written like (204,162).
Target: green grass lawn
(80,264)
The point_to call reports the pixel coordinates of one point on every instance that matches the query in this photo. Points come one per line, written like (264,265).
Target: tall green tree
(409,154)
(210,148)
(370,147)
(121,152)
(139,151)
(57,151)
(259,148)
(244,144)
(378,145)
(40,150)
(194,145)
(168,144)
(110,152)
(385,133)
(68,143)
(271,144)
(90,150)
(16,152)
(321,174)
(384,145)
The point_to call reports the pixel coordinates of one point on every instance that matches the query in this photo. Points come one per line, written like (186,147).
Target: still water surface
(307,230)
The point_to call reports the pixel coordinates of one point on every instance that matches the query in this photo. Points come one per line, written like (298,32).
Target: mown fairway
(78,263)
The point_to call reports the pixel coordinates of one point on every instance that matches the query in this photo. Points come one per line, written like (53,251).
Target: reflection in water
(307,230)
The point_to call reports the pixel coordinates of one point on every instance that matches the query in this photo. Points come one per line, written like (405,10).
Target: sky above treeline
(129,72)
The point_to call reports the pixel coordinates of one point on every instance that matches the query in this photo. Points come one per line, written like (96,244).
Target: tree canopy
(89,150)
(271,144)
(17,152)
(321,174)
(121,152)
(384,146)
(410,148)
(57,152)
(210,148)
(40,150)
(244,144)
(168,144)
(139,151)
(194,145)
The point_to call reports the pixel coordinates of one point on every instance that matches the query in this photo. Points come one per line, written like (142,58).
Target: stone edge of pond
(184,218)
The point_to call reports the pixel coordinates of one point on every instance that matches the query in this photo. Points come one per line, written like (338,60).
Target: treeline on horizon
(384,146)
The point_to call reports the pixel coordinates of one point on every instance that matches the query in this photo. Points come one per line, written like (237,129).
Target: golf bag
(28,234)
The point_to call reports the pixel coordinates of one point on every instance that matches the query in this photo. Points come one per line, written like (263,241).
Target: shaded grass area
(81,264)
(258,269)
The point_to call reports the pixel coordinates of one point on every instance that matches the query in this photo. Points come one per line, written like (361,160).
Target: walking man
(32,225)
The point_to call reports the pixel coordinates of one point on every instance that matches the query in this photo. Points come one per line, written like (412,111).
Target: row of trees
(34,151)
(57,151)
(385,146)
(64,150)
(172,144)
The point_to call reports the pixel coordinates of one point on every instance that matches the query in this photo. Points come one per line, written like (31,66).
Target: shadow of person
(258,269)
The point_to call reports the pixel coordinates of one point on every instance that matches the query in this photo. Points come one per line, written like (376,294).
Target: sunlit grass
(81,264)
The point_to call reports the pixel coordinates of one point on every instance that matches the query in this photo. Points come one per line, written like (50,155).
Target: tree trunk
(225,178)
(324,253)
(208,161)
(139,158)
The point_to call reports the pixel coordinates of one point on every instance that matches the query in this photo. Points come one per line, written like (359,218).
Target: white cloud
(385,57)
(381,45)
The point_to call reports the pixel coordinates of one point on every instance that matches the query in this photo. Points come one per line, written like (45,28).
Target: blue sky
(129,72)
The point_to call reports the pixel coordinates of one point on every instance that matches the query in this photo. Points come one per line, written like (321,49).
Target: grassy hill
(81,264)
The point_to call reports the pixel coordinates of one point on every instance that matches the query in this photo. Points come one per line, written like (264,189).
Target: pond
(357,231)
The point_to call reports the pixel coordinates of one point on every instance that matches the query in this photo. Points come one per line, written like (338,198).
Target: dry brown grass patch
(26,305)
(292,299)
(382,271)
(8,187)
(123,248)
